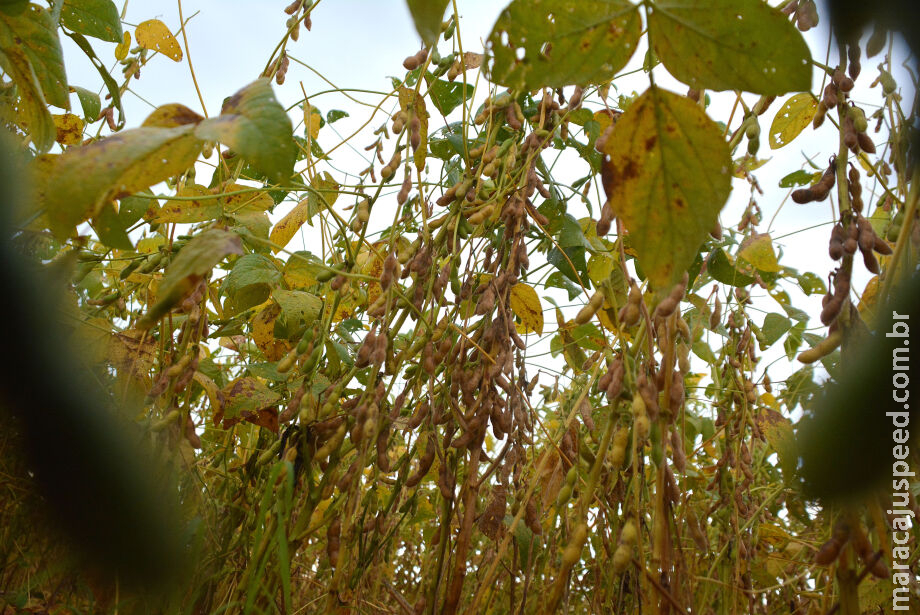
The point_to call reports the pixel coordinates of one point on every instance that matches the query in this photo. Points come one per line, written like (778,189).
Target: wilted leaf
(96,18)
(668,173)
(75,184)
(526,305)
(427,15)
(553,43)
(730,45)
(792,118)
(154,35)
(256,126)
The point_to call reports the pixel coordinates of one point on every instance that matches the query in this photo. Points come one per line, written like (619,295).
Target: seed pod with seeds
(590,309)
(877,40)
(854,66)
(835,247)
(403,195)
(830,95)
(844,83)
(865,143)
(820,114)
(822,348)
(415,132)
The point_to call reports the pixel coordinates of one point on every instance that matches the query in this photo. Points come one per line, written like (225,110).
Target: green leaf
(334,115)
(96,18)
(720,267)
(571,234)
(553,43)
(774,327)
(255,125)
(730,45)
(90,103)
(558,280)
(703,351)
(249,283)
(38,120)
(298,311)
(811,284)
(565,258)
(132,208)
(669,173)
(185,208)
(111,229)
(75,185)
(427,15)
(186,270)
(33,35)
(798,178)
(447,96)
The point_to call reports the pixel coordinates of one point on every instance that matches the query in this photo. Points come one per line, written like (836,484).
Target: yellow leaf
(153,34)
(758,251)
(263,333)
(149,245)
(171,115)
(526,305)
(867,303)
(372,266)
(791,119)
(121,51)
(299,274)
(69,128)
(246,201)
(288,226)
(188,211)
(314,122)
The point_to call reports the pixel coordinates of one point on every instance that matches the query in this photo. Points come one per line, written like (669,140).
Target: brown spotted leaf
(730,45)
(153,34)
(526,305)
(69,128)
(552,43)
(669,172)
(75,185)
(248,399)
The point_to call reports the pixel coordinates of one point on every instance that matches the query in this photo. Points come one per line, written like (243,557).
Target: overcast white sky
(359,43)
